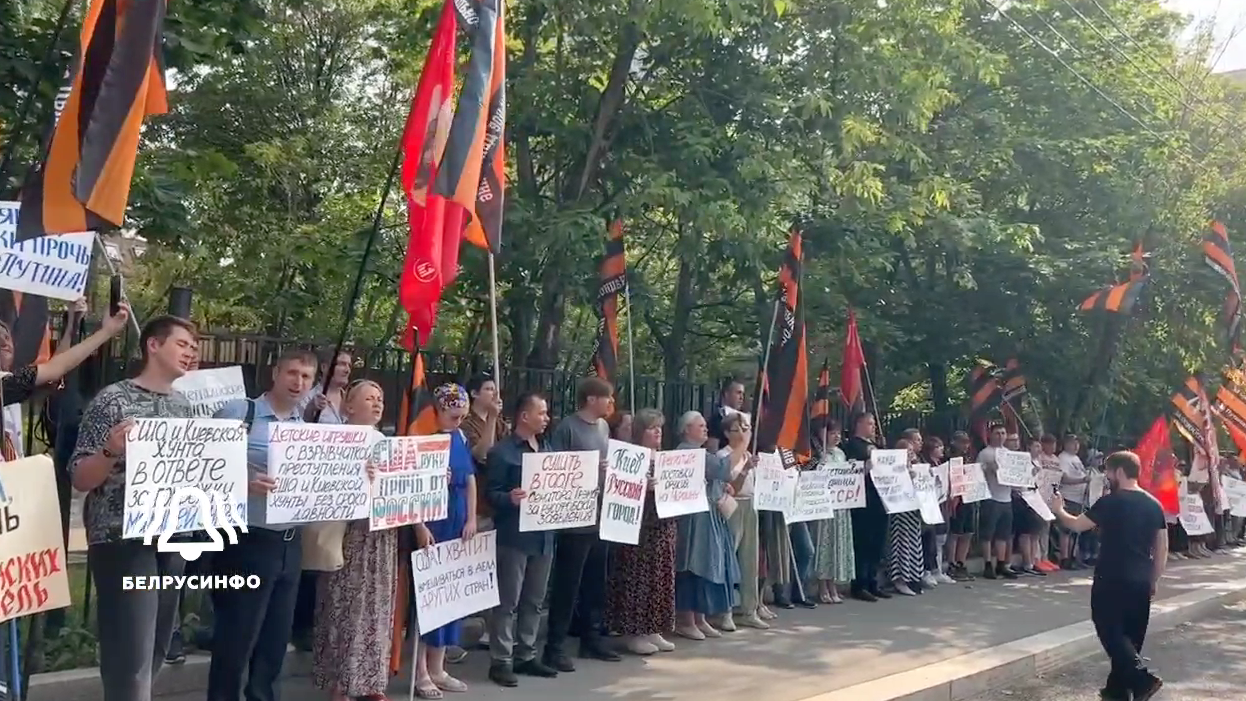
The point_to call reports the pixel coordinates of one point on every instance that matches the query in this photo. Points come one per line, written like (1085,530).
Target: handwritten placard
(889,469)
(1016,469)
(846,485)
(1235,491)
(49,266)
(164,455)
(321,472)
(927,489)
(772,489)
(562,490)
(968,482)
(627,484)
(209,390)
(679,482)
(1094,490)
(455,579)
(942,476)
(32,553)
(813,497)
(1035,501)
(411,484)
(1194,519)
(1046,480)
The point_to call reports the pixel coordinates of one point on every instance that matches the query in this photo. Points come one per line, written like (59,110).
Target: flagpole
(631,358)
(765,362)
(357,288)
(493,322)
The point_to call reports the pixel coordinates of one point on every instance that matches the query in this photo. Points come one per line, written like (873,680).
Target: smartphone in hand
(115,295)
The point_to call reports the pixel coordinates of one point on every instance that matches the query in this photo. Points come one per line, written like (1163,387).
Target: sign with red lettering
(561,490)
(679,482)
(846,484)
(412,482)
(627,487)
(321,471)
(32,555)
(455,579)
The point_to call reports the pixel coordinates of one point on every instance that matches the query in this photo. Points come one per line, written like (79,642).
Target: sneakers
(903,589)
(726,623)
(662,644)
(1005,571)
(943,578)
(708,630)
(753,621)
(930,580)
(766,614)
(689,632)
(640,645)
(989,572)
(960,573)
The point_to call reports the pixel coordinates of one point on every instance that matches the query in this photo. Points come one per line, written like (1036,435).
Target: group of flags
(993,388)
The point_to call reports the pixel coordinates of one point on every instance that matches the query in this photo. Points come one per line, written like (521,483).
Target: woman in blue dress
(450,403)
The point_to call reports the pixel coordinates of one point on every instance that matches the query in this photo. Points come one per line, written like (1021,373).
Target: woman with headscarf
(833,564)
(450,403)
(706,570)
(640,604)
(356,598)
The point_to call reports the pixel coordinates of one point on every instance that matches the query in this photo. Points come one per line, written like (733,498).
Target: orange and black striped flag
(613,281)
(29,324)
(822,397)
(1231,400)
(785,414)
(1012,380)
(1190,412)
(473,169)
(985,393)
(84,182)
(1219,256)
(422,421)
(1117,299)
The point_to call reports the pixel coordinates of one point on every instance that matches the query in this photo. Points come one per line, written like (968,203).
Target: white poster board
(942,475)
(1235,491)
(165,455)
(968,482)
(561,490)
(32,552)
(1095,489)
(813,497)
(927,490)
(412,481)
(209,390)
(1015,468)
(1035,501)
(627,486)
(889,470)
(321,472)
(846,485)
(1193,518)
(773,490)
(56,266)
(454,579)
(679,482)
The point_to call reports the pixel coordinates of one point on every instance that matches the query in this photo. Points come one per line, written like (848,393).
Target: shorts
(996,520)
(1074,510)
(1024,520)
(964,519)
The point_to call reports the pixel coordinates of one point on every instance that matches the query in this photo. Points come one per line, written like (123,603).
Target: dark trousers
(869,537)
(305,605)
(577,583)
(930,550)
(252,626)
(1121,612)
(134,625)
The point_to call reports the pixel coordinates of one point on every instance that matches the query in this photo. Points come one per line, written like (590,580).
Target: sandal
(427,689)
(445,682)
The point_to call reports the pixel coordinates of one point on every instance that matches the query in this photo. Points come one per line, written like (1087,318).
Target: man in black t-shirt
(1133,549)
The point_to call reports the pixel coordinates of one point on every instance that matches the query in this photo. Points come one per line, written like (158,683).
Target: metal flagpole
(631,358)
(493,322)
(765,361)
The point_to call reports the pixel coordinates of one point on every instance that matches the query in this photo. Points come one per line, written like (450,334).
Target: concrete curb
(970,675)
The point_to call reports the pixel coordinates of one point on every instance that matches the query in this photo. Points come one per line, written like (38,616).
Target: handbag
(727,505)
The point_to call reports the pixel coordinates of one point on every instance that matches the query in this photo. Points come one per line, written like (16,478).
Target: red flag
(1158,475)
(436,224)
(852,367)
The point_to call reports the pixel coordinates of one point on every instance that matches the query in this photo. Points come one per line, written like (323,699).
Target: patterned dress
(904,547)
(641,599)
(354,613)
(834,561)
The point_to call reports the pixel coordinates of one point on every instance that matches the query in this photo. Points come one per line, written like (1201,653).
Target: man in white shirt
(996,512)
(1074,488)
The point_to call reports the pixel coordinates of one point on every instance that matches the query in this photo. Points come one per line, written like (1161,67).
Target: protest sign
(1194,519)
(679,482)
(1035,502)
(627,485)
(1094,491)
(32,553)
(968,482)
(454,579)
(1235,491)
(162,455)
(209,390)
(321,471)
(1016,469)
(846,485)
(49,266)
(889,470)
(411,484)
(927,490)
(562,490)
(813,497)
(942,476)
(772,489)
(1047,480)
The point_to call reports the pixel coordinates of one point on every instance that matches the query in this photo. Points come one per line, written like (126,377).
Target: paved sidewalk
(815,652)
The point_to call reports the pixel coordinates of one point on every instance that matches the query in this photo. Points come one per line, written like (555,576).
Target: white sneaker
(708,630)
(689,632)
(928,580)
(662,644)
(640,645)
(765,614)
(944,578)
(726,623)
(903,589)
(753,621)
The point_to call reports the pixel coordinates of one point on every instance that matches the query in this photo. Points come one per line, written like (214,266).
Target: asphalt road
(1200,661)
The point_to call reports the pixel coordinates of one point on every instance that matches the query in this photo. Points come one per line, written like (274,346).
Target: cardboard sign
(773,489)
(627,487)
(927,489)
(679,482)
(562,490)
(455,579)
(55,266)
(813,497)
(32,553)
(321,472)
(412,482)
(889,470)
(209,390)
(846,485)
(1193,518)
(1015,468)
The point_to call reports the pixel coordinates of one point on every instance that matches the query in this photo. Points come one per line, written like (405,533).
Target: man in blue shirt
(252,626)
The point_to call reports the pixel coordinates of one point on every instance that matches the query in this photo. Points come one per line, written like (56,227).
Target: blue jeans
(802,571)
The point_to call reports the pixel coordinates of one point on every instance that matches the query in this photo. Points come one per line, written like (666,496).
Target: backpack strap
(250,419)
